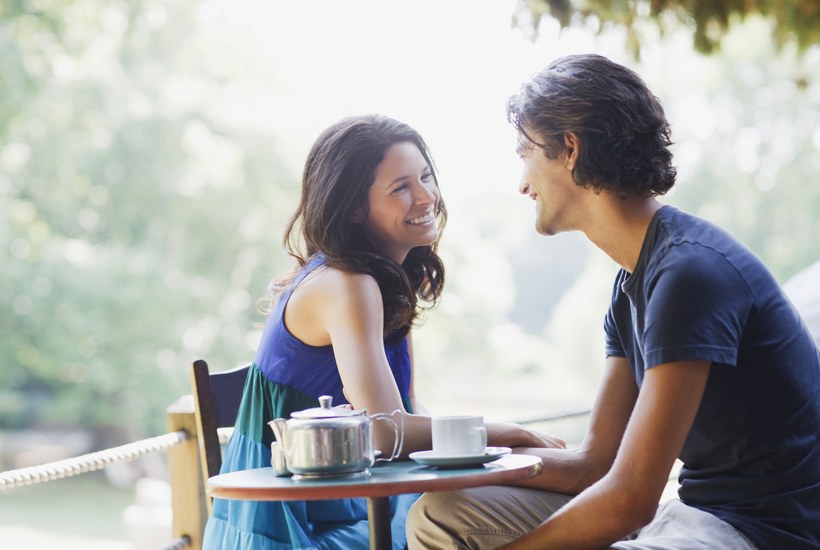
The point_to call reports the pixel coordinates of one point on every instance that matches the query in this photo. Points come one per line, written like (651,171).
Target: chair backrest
(216,401)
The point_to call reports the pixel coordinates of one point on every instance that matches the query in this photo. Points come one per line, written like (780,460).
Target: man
(706,360)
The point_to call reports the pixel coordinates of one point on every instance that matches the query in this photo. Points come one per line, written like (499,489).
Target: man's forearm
(594,519)
(567,471)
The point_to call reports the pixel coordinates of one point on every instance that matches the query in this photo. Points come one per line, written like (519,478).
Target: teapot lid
(326,410)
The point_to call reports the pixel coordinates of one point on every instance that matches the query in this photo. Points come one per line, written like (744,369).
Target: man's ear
(572,146)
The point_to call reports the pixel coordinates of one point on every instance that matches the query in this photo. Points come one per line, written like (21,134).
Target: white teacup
(459,435)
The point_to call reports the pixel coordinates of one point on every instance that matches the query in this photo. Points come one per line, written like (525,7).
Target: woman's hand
(505,434)
(548,441)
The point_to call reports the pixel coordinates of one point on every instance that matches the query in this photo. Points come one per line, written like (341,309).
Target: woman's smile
(426,218)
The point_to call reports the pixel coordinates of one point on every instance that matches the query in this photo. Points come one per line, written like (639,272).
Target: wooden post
(187,493)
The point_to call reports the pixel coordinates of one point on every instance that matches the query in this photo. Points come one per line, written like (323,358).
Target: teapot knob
(325,401)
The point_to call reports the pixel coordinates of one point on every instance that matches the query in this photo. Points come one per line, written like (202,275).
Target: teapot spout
(278,457)
(278,427)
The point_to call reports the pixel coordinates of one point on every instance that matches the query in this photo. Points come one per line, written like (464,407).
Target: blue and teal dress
(289,375)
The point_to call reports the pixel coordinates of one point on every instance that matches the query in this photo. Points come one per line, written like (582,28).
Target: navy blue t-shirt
(752,457)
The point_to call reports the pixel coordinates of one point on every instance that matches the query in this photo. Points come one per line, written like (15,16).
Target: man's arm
(572,471)
(626,498)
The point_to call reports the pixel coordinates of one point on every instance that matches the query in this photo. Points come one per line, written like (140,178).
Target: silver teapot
(328,441)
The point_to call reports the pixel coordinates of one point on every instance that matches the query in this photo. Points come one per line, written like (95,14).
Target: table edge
(296,492)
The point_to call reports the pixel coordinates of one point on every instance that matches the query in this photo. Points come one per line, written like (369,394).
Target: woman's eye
(426,177)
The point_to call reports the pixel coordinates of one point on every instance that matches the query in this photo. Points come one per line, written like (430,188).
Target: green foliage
(139,223)
(795,21)
(749,147)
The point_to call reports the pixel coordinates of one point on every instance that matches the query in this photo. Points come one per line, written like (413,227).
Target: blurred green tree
(795,21)
(136,213)
(748,146)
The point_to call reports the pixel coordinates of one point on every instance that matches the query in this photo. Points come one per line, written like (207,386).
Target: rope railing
(182,542)
(224,434)
(90,462)
(180,443)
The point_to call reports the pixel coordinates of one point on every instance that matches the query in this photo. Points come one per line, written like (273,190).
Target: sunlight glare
(446,68)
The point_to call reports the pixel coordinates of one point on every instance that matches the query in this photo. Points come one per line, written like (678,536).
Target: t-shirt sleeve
(697,305)
(613,346)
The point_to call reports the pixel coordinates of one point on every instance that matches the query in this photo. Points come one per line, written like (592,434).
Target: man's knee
(423,528)
(482,517)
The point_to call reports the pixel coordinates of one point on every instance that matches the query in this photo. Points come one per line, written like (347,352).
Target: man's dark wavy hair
(339,171)
(623,132)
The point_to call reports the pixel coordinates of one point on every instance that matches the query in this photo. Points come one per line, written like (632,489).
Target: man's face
(549,183)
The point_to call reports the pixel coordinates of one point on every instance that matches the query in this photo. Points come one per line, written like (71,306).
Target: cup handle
(398,442)
(483,431)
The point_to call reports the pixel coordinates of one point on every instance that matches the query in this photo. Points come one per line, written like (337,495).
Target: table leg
(378,516)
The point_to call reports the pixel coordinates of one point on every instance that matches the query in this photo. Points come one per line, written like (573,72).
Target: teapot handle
(398,442)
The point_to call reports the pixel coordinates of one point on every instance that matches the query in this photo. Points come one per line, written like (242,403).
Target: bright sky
(445,67)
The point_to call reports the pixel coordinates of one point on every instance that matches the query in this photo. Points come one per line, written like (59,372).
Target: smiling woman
(340,323)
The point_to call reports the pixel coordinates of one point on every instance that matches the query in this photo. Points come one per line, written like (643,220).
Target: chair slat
(216,402)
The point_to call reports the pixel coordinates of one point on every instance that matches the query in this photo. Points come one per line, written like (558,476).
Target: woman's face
(402,203)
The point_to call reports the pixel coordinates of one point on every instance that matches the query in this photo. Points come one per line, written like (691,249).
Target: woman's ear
(359,215)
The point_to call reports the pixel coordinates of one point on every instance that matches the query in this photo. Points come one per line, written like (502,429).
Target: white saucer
(428,458)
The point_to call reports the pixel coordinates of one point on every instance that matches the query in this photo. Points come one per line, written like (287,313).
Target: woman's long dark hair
(338,173)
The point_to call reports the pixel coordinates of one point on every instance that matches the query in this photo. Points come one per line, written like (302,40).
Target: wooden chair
(216,401)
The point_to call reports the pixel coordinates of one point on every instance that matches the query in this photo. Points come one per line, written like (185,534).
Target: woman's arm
(346,310)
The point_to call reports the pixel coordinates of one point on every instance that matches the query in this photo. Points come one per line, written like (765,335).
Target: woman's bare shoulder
(331,281)
(328,297)
(330,288)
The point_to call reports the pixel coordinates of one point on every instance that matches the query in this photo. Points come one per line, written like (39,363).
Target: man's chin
(544,230)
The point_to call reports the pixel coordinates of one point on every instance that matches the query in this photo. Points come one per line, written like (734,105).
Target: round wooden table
(384,480)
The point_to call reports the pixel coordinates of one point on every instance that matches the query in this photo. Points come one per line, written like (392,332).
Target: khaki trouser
(489,517)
